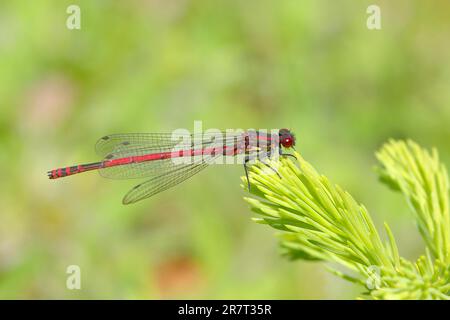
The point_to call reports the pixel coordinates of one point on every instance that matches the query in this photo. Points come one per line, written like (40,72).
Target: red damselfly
(170,158)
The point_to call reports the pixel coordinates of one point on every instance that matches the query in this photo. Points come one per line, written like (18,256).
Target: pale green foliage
(424,182)
(320,221)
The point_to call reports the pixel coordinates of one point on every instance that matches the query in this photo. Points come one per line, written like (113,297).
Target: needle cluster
(318,220)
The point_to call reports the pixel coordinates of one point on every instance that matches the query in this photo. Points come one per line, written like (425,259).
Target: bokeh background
(157,65)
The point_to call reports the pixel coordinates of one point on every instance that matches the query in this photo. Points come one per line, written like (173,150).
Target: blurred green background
(157,65)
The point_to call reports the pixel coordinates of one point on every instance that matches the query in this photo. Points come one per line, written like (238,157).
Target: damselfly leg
(247,159)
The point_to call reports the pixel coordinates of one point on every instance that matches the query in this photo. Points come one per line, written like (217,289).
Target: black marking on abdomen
(94,165)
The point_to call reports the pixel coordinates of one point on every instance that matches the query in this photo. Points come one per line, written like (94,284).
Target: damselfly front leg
(286,154)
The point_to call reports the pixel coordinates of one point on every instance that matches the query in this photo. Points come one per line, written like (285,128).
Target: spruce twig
(320,221)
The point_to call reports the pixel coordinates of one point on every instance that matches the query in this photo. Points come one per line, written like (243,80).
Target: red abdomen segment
(67,171)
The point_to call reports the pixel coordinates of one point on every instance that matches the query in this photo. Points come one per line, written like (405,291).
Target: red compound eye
(287,139)
(287,142)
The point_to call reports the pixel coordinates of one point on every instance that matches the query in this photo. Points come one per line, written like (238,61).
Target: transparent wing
(118,146)
(136,141)
(162,182)
(158,141)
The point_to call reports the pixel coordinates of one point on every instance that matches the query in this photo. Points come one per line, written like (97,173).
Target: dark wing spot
(135,187)
(109,156)
(126,143)
(105,138)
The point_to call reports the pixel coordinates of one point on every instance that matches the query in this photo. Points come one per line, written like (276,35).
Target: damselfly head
(287,138)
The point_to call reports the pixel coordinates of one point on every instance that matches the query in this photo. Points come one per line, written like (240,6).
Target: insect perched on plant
(170,158)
